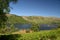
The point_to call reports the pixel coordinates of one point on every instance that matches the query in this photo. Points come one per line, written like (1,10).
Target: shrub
(9,37)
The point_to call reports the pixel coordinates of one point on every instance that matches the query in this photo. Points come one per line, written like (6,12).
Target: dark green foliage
(4,5)
(4,8)
(44,38)
(35,27)
(58,26)
(10,37)
(3,19)
(52,36)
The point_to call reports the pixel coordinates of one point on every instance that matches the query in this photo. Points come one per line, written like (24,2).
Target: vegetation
(35,20)
(4,8)
(6,32)
(42,35)
(32,19)
(9,37)
(17,19)
(35,27)
(43,20)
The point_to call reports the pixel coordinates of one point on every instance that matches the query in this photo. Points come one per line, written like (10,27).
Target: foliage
(35,27)
(42,35)
(9,37)
(4,9)
(8,30)
(4,5)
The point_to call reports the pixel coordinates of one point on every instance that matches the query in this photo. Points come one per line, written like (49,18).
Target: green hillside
(44,20)
(33,19)
(16,19)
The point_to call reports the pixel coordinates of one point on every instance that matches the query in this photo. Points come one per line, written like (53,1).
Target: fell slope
(33,19)
(16,19)
(40,19)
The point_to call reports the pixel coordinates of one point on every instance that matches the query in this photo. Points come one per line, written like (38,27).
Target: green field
(42,35)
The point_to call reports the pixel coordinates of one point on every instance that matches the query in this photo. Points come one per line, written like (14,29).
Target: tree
(35,27)
(4,8)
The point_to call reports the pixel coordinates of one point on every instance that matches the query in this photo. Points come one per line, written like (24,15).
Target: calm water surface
(41,26)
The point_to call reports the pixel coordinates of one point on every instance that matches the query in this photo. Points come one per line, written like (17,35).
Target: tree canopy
(4,8)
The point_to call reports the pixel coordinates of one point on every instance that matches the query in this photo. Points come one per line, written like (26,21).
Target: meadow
(42,35)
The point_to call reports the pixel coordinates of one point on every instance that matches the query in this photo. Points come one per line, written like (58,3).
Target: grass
(41,35)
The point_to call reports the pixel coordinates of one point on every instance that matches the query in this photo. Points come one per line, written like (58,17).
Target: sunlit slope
(32,19)
(40,19)
(16,19)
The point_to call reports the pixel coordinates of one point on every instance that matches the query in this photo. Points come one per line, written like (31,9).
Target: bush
(52,36)
(9,37)
(35,28)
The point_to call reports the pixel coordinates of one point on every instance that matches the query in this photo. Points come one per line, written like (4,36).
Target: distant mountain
(32,19)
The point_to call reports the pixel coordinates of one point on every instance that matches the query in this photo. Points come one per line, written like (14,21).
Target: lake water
(47,27)
(23,26)
(41,26)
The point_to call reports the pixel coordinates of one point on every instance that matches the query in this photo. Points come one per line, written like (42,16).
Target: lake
(47,27)
(41,26)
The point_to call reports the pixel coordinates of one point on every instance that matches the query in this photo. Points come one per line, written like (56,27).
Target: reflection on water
(47,27)
(28,26)
(23,26)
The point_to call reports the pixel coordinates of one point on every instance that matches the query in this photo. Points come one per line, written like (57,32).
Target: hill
(15,19)
(32,19)
(40,19)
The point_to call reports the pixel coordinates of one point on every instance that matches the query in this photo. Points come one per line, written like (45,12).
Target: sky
(36,8)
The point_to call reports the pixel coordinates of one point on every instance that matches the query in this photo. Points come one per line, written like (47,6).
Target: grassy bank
(42,35)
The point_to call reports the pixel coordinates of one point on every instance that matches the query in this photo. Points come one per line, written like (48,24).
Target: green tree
(35,27)
(4,8)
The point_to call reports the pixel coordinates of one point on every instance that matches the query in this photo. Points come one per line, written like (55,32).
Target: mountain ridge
(32,19)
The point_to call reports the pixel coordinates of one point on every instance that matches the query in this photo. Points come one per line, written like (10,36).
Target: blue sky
(36,8)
